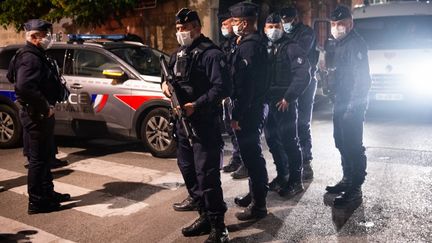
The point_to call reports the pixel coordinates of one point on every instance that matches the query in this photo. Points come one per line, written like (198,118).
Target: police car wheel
(156,133)
(10,127)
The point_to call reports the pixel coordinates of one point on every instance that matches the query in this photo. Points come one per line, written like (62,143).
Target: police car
(115,89)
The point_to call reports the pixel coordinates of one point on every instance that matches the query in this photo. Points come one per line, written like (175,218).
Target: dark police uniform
(305,37)
(250,87)
(288,74)
(227,46)
(38,87)
(349,88)
(201,77)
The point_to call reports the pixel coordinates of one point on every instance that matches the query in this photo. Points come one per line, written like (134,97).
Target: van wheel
(156,133)
(10,127)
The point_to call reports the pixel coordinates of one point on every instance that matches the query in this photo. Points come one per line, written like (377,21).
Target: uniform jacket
(352,79)
(306,38)
(201,78)
(37,84)
(248,72)
(288,70)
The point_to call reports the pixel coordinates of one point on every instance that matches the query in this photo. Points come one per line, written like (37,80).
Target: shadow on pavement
(20,236)
(117,195)
(269,225)
(22,180)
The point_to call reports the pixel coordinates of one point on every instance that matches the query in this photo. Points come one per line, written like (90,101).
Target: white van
(399,38)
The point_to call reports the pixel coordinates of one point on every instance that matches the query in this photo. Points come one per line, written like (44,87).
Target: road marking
(129,173)
(92,202)
(12,230)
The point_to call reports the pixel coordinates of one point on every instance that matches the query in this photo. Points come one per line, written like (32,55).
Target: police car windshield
(145,60)
(399,32)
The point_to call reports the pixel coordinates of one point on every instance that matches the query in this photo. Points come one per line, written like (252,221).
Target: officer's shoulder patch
(300,60)
(222,63)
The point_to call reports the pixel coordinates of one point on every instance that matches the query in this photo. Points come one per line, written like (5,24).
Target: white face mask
(338,32)
(184,38)
(46,42)
(287,27)
(274,34)
(225,32)
(236,30)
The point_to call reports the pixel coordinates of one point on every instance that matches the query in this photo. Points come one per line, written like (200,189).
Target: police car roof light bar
(88,37)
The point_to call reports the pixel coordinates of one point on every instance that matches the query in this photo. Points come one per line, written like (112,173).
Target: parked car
(115,90)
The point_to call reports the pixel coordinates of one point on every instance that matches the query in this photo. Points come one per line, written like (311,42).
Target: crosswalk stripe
(26,232)
(128,173)
(91,202)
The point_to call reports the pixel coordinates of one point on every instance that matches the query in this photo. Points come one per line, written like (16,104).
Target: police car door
(95,109)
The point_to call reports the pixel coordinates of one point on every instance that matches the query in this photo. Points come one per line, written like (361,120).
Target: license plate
(388,96)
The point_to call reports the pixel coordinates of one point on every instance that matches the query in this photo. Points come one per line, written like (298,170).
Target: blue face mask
(287,27)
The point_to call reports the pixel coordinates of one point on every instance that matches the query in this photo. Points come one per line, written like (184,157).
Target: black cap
(37,24)
(244,9)
(186,15)
(224,16)
(288,12)
(341,12)
(273,18)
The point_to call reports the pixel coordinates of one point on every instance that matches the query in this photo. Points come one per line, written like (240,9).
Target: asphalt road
(123,194)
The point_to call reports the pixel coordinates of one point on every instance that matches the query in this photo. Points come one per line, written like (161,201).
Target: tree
(82,12)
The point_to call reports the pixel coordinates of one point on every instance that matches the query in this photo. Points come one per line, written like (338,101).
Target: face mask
(274,34)
(236,30)
(287,27)
(225,32)
(46,42)
(184,38)
(338,32)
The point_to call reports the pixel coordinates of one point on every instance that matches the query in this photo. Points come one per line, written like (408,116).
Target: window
(143,59)
(91,64)
(58,55)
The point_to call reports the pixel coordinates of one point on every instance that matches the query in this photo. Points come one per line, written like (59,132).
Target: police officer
(201,81)
(235,164)
(38,88)
(248,115)
(305,37)
(350,89)
(288,74)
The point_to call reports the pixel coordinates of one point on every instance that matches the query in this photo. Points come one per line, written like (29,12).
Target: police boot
(292,189)
(43,207)
(352,197)
(219,232)
(341,186)
(307,170)
(252,212)
(60,197)
(243,201)
(188,204)
(240,173)
(277,183)
(232,165)
(200,226)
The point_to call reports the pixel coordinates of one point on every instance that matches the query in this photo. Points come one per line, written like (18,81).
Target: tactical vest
(279,64)
(191,80)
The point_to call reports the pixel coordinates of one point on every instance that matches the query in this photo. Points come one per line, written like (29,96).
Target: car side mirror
(117,75)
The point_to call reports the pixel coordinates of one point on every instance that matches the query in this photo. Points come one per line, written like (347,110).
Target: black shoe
(186,205)
(277,183)
(353,196)
(219,232)
(341,186)
(252,213)
(56,163)
(46,207)
(243,201)
(291,190)
(307,171)
(61,197)
(232,165)
(2,188)
(200,226)
(240,173)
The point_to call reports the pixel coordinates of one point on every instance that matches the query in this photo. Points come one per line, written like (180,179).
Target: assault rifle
(178,113)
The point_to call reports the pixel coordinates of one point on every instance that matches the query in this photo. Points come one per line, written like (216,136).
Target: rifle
(179,113)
